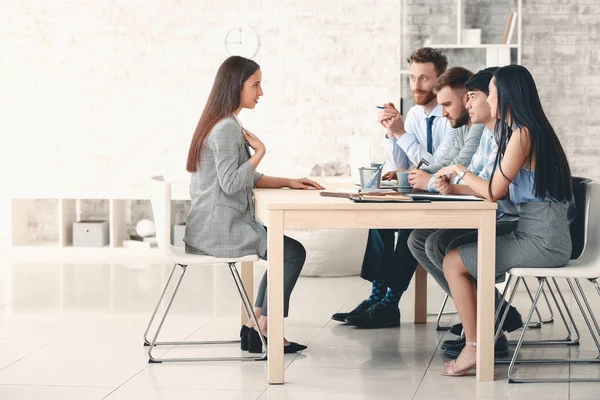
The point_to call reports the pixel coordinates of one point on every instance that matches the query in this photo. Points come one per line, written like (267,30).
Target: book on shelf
(509,27)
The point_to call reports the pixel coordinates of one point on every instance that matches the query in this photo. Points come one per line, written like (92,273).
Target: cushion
(332,252)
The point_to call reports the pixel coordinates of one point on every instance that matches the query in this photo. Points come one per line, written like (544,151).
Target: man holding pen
(424,134)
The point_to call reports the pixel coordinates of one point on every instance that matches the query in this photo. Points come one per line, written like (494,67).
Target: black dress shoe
(376,316)
(255,345)
(456,329)
(341,317)
(500,349)
(452,343)
(512,322)
(244,337)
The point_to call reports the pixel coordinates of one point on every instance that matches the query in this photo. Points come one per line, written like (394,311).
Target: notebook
(397,198)
(346,193)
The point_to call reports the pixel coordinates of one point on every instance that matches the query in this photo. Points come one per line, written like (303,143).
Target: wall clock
(242,41)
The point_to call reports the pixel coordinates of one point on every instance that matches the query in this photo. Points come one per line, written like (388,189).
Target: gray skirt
(541,240)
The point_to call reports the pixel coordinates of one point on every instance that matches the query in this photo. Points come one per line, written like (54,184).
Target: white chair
(161,207)
(586,266)
(533,325)
(577,233)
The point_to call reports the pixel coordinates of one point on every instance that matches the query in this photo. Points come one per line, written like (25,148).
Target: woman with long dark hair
(221,220)
(532,169)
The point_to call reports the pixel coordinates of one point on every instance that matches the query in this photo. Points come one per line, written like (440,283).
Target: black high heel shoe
(255,345)
(244,337)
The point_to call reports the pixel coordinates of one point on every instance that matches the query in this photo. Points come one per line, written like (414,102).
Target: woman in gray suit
(221,221)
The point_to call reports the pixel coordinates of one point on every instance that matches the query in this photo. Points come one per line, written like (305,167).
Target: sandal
(450,364)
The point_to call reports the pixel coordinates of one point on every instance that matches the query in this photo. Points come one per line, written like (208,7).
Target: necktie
(430,133)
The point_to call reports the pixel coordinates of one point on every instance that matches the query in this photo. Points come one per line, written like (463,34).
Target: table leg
(247,275)
(486,277)
(420,295)
(275,297)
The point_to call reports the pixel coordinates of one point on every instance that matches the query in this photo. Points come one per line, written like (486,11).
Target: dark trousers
(294,256)
(387,260)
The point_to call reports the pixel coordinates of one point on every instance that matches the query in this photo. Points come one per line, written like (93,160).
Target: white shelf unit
(475,46)
(66,212)
(496,54)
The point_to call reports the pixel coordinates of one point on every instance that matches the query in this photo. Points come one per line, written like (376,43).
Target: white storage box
(90,234)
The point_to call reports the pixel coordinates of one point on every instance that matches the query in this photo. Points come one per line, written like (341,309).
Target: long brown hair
(223,100)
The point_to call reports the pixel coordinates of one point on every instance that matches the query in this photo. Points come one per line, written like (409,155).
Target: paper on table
(386,197)
(363,190)
(389,184)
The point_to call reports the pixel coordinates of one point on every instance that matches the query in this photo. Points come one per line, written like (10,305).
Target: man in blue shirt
(424,134)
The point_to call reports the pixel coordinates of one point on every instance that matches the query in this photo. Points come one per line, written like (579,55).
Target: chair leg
(568,341)
(502,297)
(525,327)
(154,343)
(569,314)
(162,321)
(162,295)
(508,303)
(551,318)
(562,316)
(589,310)
(248,305)
(596,360)
(539,322)
(439,327)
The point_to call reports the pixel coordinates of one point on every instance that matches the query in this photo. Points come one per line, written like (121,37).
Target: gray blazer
(465,145)
(221,220)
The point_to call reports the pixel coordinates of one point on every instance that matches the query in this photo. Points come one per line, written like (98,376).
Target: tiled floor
(74,331)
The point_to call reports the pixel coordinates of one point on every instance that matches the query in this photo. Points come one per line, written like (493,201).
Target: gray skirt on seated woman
(541,240)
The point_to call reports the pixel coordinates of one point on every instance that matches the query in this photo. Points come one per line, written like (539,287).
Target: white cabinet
(61,206)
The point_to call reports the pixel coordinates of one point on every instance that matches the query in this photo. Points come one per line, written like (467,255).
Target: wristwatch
(462,173)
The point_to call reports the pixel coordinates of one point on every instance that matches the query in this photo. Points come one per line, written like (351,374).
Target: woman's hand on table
(304,183)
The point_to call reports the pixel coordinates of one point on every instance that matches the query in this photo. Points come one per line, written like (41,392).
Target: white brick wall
(561,49)
(109,92)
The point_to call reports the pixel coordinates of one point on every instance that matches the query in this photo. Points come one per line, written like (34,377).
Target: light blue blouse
(522,188)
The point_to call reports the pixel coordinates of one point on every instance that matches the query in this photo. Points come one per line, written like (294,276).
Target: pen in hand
(423,161)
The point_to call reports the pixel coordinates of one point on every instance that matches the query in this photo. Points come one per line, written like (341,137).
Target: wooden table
(280,209)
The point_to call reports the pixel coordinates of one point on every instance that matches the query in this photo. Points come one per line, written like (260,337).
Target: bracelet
(462,174)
